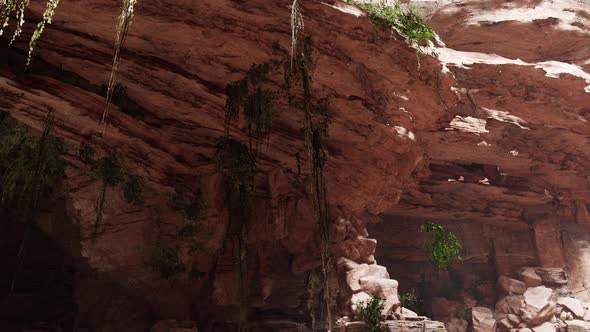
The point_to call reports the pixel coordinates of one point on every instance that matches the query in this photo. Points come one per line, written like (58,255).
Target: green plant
(85,153)
(256,102)
(47,18)
(370,313)
(407,22)
(443,247)
(410,301)
(133,190)
(167,262)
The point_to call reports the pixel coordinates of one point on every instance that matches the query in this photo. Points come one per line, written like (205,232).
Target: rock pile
(365,281)
(538,302)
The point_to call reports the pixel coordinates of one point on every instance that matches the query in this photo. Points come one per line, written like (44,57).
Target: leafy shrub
(370,313)
(444,247)
(410,301)
(167,262)
(133,190)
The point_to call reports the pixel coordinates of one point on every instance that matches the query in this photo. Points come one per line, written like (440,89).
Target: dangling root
(120,36)
(296,27)
(47,18)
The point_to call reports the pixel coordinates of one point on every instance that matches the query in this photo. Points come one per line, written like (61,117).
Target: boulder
(587,316)
(552,276)
(545,327)
(533,316)
(483,319)
(456,325)
(383,288)
(509,286)
(577,326)
(510,305)
(504,325)
(514,319)
(573,305)
(530,277)
(405,313)
(364,270)
(537,297)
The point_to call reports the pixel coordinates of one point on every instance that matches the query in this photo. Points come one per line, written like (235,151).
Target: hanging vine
(256,102)
(122,28)
(30,167)
(315,134)
(47,18)
(238,165)
(297,26)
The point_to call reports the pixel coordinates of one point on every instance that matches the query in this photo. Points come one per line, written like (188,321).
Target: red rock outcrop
(512,187)
(177,60)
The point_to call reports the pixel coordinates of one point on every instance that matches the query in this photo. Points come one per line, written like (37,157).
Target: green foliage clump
(257,103)
(167,262)
(407,22)
(133,190)
(410,301)
(85,153)
(444,247)
(370,313)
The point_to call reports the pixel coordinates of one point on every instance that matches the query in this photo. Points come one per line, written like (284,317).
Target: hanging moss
(257,103)
(238,165)
(236,95)
(259,111)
